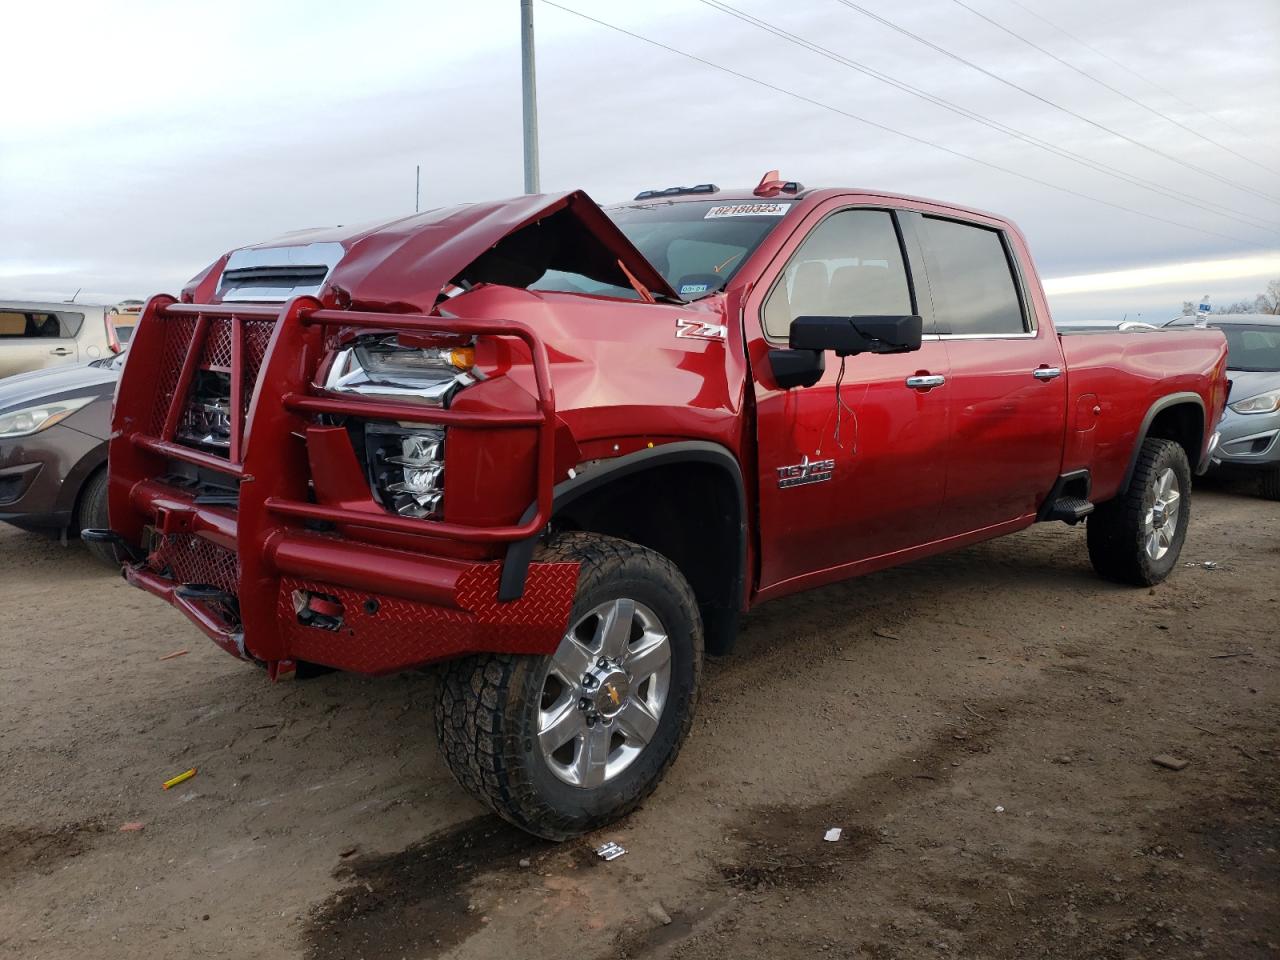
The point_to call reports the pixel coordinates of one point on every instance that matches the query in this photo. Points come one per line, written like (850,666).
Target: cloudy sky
(139,141)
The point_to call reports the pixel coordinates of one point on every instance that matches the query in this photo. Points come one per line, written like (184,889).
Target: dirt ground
(980,725)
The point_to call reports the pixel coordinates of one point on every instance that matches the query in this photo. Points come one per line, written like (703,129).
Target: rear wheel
(1137,537)
(560,745)
(92,512)
(1271,484)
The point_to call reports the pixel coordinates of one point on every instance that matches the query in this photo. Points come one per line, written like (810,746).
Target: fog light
(408,470)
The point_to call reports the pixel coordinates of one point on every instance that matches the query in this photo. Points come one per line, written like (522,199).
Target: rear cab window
(972,278)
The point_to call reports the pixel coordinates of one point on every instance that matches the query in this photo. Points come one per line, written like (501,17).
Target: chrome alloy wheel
(604,693)
(1160,524)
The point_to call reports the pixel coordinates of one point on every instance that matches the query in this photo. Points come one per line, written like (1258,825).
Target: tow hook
(317,610)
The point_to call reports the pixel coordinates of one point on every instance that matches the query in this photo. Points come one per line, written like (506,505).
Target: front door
(852,468)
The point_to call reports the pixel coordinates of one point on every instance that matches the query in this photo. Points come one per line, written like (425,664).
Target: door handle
(60,352)
(925,382)
(1046,373)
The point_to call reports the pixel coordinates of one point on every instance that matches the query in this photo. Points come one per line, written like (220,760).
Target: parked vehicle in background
(125,315)
(127,308)
(1249,433)
(566,448)
(54,426)
(35,335)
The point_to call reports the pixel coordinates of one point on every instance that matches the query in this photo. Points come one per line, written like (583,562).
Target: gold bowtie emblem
(613,694)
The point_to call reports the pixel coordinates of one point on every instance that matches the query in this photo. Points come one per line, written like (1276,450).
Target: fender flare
(1164,403)
(519,554)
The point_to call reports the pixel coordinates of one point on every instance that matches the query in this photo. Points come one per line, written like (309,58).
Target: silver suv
(35,335)
(1249,432)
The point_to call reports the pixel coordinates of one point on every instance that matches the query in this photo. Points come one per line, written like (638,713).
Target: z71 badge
(700,330)
(806,471)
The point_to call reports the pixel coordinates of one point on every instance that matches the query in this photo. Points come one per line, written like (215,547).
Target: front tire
(1137,537)
(560,745)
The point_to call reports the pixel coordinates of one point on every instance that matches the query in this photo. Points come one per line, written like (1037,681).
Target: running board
(1069,510)
(1069,507)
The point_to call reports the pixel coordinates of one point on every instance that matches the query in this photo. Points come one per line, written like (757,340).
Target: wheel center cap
(611,690)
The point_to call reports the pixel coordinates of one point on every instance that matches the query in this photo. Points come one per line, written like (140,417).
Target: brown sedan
(54,426)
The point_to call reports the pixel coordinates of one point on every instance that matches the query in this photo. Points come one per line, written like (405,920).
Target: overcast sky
(139,141)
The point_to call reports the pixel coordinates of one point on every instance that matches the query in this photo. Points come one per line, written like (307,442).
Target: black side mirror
(797,368)
(852,335)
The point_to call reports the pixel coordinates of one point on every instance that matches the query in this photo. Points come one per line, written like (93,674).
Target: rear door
(852,468)
(32,339)
(1007,386)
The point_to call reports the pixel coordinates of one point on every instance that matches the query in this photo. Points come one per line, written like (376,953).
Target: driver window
(850,265)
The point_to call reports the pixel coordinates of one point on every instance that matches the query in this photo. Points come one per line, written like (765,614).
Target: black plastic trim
(1058,486)
(1164,403)
(515,568)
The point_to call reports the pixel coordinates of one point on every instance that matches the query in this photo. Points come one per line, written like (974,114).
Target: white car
(36,335)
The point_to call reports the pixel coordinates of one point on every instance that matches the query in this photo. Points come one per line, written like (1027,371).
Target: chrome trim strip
(1028,335)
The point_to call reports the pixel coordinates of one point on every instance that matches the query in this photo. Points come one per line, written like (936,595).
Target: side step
(1069,509)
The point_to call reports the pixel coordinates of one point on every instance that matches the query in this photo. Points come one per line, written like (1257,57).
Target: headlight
(382,366)
(29,420)
(1263,403)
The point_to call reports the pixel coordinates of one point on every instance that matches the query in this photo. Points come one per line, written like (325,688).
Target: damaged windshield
(697,245)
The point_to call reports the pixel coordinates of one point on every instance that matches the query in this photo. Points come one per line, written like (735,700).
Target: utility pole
(529,83)
(417,188)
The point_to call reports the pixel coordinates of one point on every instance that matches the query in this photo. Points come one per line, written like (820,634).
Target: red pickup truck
(565,449)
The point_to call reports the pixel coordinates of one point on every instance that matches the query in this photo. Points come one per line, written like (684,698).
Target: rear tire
(92,512)
(546,741)
(1137,537)
(1271,484)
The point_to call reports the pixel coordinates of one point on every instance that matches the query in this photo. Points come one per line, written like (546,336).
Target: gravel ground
(980,725)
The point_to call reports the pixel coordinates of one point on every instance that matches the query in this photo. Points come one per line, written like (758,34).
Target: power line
(1199,202)
(1135,100)
(1084,73)
(1141,76)
(880,126)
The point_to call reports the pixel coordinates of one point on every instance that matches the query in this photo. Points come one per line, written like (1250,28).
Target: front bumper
(286,557)
(40,475)
(1248,440)
(388,609)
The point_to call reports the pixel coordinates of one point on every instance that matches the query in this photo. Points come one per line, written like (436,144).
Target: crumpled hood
(403,264)
(38,386)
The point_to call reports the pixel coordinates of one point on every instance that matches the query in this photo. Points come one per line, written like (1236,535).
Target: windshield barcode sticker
(747,210)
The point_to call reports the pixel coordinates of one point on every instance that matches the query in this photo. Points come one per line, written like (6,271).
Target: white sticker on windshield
(747,210)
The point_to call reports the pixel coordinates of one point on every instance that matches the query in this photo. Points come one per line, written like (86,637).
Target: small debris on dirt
(1063,758)
(886,635)
(347,852)
(180,778)
(176,653)
(1205,564)
(833,834)
(999,809)
(655,910)
(526,863)
(610,851)
(1169,762)
(133,826)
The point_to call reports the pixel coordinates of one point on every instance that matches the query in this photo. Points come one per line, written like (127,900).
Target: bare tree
(1268,302)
